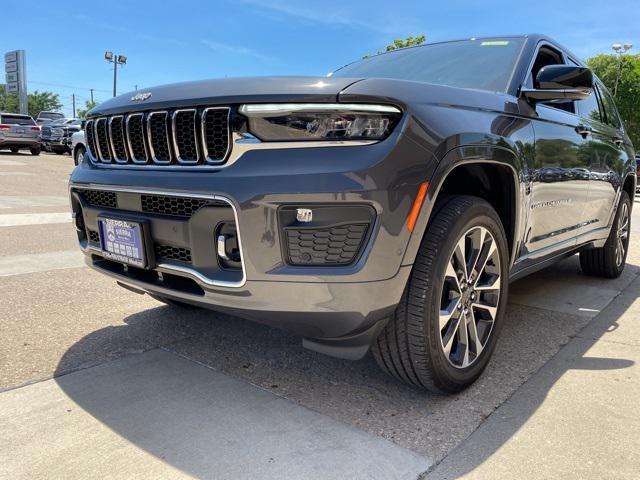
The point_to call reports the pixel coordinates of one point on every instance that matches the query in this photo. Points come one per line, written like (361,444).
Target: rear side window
(609,107)
(590,108)
(16,120)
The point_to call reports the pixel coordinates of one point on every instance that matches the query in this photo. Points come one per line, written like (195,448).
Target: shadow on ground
(357,393)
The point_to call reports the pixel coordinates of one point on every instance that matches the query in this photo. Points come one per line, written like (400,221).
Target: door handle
(583,130)
(618,140)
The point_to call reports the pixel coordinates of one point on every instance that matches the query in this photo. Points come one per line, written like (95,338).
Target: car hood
(226,91)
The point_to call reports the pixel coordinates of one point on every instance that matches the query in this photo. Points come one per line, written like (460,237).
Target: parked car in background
(19,132)
(385,207)
(78,146)
(46,117)
(56,135)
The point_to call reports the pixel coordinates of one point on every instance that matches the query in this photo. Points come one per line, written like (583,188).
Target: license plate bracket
(126,241)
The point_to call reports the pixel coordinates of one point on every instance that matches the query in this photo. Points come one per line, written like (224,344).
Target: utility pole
(116,60)
(91,89)
(73,98)
(620,49)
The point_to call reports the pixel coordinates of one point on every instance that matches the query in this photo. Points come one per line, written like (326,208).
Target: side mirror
(560,83)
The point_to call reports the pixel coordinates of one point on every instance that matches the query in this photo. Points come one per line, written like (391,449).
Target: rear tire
(15,150)
(35,151)
(417,345)
(609,260)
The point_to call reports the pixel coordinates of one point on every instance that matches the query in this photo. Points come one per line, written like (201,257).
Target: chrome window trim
(124,143)
(144,142)
(97,140)
(168,267)
(203,117)
(154,159)
(175,136)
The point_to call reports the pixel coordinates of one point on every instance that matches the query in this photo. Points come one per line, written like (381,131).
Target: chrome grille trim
(89,129)
(169,267)
(105,158)
(111,135)
(134,159)
(185,161)
(203,132)
(154,158)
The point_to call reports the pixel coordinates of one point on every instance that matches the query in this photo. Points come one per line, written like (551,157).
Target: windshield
(482,64)
(16,120)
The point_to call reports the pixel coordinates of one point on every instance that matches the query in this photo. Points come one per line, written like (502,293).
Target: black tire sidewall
(612,242)
(447,376)
(79,151)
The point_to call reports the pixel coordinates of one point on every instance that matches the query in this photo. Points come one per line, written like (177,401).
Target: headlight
(320,121)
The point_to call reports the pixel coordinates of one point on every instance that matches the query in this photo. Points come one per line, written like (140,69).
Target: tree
(402,43)
(42,101)
(607,68)
(88,105)
(36,101)
(8,101)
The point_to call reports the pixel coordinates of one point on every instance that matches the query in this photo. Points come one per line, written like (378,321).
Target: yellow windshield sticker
(493,43)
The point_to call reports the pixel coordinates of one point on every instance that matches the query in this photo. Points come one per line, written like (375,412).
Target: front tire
(79,155)
(609,260)
(35,151)
(15,150)
(445,328)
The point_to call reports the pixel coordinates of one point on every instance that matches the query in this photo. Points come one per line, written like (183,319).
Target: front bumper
(337,309)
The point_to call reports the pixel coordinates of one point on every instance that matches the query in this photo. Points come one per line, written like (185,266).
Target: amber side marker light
(417,205)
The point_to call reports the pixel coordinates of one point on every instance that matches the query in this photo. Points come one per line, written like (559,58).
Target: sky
(167,42)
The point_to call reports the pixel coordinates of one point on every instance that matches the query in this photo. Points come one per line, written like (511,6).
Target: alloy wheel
(470,295)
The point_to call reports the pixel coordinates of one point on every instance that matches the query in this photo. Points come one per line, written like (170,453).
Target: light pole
(620,50)
(116,60)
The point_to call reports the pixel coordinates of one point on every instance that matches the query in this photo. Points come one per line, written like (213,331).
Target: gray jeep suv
(385,207)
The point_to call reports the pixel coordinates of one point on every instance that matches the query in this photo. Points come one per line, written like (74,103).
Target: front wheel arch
(509,206)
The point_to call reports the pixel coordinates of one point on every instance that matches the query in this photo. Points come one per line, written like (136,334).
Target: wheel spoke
(450,335)
(452,273)
(487,252)
(493,284)
(448,313)
(463,341)
(487,308)
(461,255)
(474,339)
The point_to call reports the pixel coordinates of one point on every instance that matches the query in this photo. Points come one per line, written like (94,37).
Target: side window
(609,107)
(590,107)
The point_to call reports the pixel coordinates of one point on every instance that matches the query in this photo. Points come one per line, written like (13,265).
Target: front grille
(99,198)
(325,246)
(173,253)
(176,206)
(182,137)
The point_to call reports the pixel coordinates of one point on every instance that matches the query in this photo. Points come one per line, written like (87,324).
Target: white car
(78,147)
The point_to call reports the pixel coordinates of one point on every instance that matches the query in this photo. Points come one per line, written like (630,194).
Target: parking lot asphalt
(60,320)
